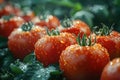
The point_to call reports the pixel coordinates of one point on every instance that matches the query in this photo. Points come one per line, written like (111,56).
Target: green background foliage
(93,12)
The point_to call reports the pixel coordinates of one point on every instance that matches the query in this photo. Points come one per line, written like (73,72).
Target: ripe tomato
(7,26)
(50,22)
(49,48)
(115,33)
(109,44)
(21,41)
(109,39)
(111,70)
(78,27)
(83,62)
(28,16)
(10,10)
(115,36)
(41,23)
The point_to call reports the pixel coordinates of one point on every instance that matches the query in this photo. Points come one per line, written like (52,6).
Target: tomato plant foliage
(28,69)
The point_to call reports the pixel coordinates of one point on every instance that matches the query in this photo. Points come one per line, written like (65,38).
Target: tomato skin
(115,33)
(111,70)
(78,27)
(6,27)
(10,10)
(49,48)
(50,22)
(83,62)
(109,44)
(41,23)
(115,36)
(21,43)
(28,16)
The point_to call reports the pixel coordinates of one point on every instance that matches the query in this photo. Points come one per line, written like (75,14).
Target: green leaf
(100,10)
(6,75)
(15,69)
(56,75)
(116,2)
(29,58)
(3,42)
(6,58)
(36,71)
(84,16)
(18,67)
(67,3)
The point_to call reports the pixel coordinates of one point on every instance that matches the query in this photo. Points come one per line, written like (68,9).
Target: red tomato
(50,22)
(111,70)
(111,42)
(115,36)
(28,16)
(41,23)
(21,41)
(78,27)
(10,10)
(83,62)
(49,48)
(6,27)
(115,33)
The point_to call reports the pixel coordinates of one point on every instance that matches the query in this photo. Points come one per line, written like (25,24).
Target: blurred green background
(93,12)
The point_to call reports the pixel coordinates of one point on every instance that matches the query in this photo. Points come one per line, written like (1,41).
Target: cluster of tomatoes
(82,54)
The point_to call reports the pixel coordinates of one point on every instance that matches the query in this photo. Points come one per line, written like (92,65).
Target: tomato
(50,22)
(49,48)
(21,41)
(41,23)
(10,10)
(115,36)
(115,33)
(111,70)
(28,16)
(110,40)
(109,44)
(7,26)
(83,62)
(78,27)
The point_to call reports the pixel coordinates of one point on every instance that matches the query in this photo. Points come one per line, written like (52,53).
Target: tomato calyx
(53,32)
(8,17)
(43,14)
(105,30)
(27,26)
(85,41)
(67,22)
